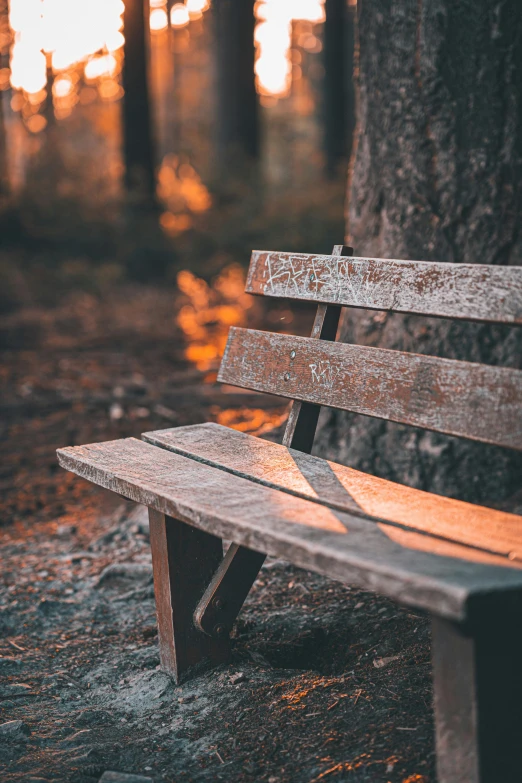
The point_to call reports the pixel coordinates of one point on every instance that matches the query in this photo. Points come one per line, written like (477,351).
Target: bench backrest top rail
(473,401)
(475,292)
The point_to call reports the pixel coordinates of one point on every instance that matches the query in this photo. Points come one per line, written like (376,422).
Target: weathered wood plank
(474,401)
(476,292)
(344,488)
(387,559)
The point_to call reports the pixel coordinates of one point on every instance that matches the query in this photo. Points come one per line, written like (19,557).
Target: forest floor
(326,683)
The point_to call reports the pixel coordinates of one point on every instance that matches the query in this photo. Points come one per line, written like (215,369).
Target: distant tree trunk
(137,127)
(170,3)
(237,131)
(4,56)
(437,175)
(4,174)
(176,103)
(338,98)
(48,107)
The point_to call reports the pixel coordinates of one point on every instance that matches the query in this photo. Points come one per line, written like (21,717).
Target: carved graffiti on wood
(460,398)
(478,292)
(324,373)
(288,275)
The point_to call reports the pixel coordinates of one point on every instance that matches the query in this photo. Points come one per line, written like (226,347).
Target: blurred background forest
(230,131)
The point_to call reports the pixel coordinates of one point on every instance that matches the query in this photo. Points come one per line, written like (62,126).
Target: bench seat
(346,489)
(430,552)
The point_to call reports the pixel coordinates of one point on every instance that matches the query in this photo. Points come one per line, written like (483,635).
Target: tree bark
(436,176)
(338,98)
(237,116)
(138,142)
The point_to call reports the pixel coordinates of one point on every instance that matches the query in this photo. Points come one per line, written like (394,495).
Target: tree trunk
(437,176)
(338,98)
(48,106)
(4,62)
(4,176)
(237,132)
(137,131)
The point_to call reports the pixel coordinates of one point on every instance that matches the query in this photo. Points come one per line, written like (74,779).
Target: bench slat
(476,292)
(344,488)
(474,401)
(380,557)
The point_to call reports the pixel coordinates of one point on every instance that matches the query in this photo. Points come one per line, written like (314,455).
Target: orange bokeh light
(179,15)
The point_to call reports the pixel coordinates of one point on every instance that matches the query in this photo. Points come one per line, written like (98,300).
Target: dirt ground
(326,682)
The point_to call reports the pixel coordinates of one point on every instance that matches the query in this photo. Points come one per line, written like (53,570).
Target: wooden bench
(460,562)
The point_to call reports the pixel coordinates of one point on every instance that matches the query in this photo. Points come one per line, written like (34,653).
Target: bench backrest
(470,400)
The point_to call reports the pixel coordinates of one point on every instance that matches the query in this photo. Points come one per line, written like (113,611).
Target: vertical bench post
(303,417)
(478,701)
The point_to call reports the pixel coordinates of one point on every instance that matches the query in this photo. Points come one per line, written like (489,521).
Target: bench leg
(478,702)
(184,560)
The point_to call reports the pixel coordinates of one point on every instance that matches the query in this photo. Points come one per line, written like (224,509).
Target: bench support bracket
(478,701)
(222,601)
